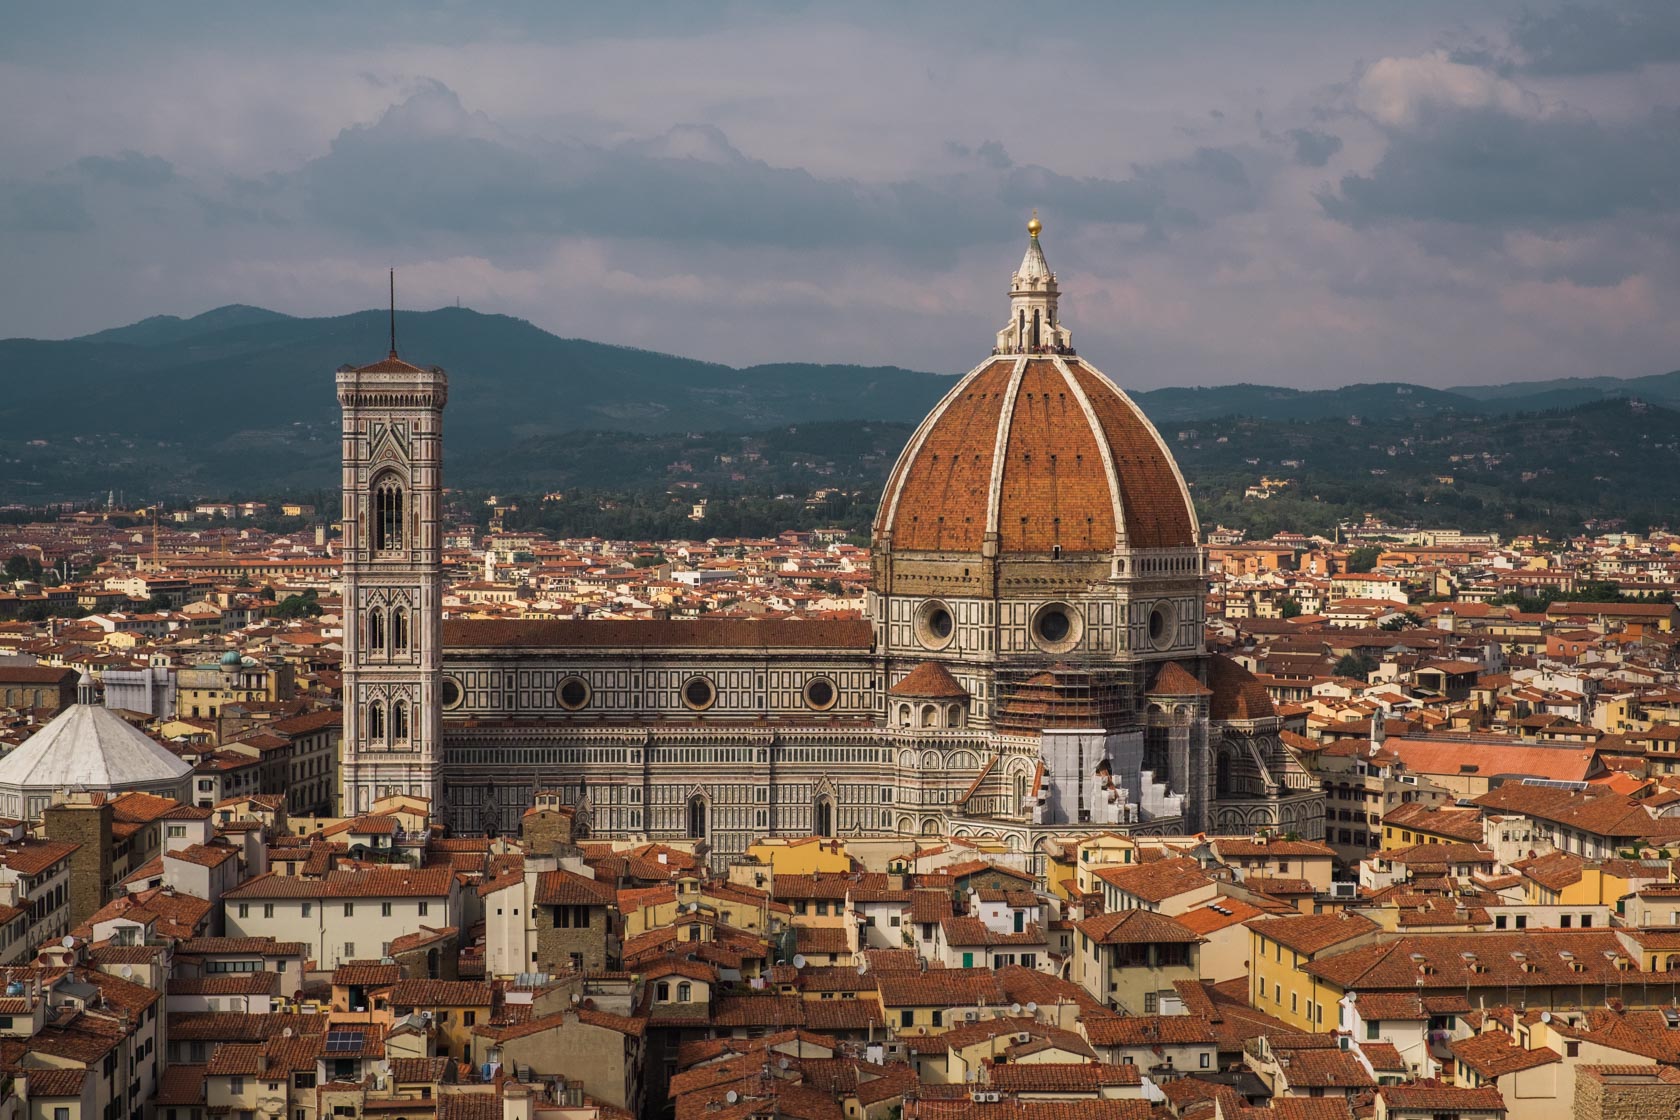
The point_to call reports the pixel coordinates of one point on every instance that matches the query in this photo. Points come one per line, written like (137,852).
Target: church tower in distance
(393,581)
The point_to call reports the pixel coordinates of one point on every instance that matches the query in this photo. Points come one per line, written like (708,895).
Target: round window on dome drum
(1053,625)
(820,693)
(573,693)
(1162,619)
(451,693)
(1056,628)
(934,625)
(698,693)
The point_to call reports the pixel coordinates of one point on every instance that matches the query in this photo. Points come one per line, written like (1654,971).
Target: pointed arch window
(387,513)
(375,721)
(697,818)
(823,822)
(375,630)
(399,720)
(399,630)
(1020,790)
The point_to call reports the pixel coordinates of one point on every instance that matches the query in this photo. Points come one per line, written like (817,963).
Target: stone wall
(91,871)
(555,944)
(1626,1092)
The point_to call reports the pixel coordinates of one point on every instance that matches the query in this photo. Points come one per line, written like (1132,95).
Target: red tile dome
(1042,451)
(1036,450)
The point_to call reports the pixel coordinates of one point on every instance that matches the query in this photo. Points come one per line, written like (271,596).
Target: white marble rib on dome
(88,746)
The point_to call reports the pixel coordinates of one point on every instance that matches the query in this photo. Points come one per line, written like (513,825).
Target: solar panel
(343,1041)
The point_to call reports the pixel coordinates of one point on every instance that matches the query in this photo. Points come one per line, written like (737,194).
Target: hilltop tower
(393,581)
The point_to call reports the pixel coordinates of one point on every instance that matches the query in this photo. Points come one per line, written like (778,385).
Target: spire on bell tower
(1033,327)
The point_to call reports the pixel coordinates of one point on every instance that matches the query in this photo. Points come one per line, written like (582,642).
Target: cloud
(1496,170)
(129,169)
(1401,92)
(766,182)
(1590,40)
(43,208)
(428,165)
(1314,148)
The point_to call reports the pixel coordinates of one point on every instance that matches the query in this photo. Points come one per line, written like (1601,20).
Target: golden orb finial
(1034,225)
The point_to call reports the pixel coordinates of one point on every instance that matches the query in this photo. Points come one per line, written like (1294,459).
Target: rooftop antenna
(393,313)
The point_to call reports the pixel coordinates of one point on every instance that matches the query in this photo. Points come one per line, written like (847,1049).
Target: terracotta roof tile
(929,680)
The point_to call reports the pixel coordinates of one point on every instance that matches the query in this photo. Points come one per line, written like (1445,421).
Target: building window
(399,720)
(384,909)
(698,694)
(820,693)
(376,721)
(399,630)
(375,630)
(696,818)
(387,514)
(823,817)
(685,992)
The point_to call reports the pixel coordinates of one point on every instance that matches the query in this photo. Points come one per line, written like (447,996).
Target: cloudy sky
(1303,193)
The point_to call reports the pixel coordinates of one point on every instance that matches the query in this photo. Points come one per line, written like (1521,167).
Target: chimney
(1378,732)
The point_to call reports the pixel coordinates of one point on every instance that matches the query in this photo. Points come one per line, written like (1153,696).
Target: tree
(18,567)
(295,606)
(1363,558)
(158,602)
(1358,666)
(834,587)
(1405,621)
(1289,606)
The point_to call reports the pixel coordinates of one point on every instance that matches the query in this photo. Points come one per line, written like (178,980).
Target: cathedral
(1031,662)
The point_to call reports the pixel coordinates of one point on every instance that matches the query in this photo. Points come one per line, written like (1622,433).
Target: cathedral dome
(1035,452)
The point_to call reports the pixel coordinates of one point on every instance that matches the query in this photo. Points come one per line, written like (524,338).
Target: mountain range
(241,397)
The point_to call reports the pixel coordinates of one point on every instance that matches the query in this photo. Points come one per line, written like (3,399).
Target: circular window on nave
(452,694)
(935,627)
(573,693)
(820,694)
(699,693)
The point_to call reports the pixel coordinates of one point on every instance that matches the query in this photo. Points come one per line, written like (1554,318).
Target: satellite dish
(798,959)
(1032,1009)
(732,1096)
(128,972)
(1014,1009)
(783,1063)
(863,968)
(68,942)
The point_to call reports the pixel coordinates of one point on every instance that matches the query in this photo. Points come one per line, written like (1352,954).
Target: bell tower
(393,580)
